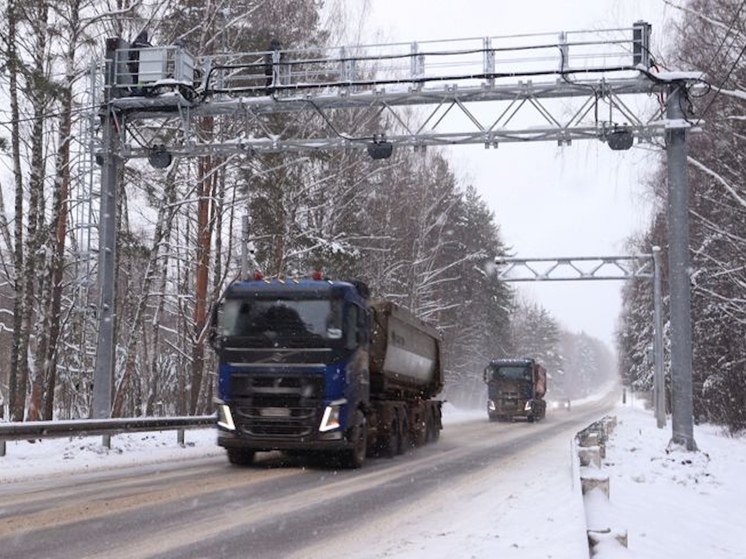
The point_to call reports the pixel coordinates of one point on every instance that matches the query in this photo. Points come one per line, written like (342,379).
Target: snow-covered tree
(712,40)
(537,334)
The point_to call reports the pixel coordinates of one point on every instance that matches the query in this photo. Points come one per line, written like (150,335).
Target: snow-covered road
(522,500)
(476,481)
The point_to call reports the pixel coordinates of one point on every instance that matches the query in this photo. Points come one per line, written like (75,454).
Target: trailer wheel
(354,457)
(240,456)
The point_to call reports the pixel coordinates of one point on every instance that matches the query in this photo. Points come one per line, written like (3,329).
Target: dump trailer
(312,366)
(515,388)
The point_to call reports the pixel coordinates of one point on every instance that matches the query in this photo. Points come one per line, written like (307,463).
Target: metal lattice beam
(575,268)
(471,91)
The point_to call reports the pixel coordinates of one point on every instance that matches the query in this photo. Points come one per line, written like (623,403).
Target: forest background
(408,226)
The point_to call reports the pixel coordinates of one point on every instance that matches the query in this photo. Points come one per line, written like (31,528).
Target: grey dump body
(515,388)
(404,355)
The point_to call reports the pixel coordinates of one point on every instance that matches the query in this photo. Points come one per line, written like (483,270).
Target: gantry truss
(560,87)
(575,268)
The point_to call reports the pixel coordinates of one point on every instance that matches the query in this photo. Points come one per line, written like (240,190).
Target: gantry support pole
(103,375)
(682,413)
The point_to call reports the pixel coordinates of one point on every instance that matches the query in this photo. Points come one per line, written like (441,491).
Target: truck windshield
(519,372)
(320,318)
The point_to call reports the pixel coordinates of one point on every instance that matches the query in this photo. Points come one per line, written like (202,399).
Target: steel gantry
(558,87)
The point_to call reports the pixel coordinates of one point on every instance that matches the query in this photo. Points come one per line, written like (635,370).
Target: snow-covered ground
(677,505)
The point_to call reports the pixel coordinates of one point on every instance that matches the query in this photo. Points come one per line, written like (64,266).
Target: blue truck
(313,366)
(515,388)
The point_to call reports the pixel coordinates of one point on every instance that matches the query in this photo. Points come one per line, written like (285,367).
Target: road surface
(279,507)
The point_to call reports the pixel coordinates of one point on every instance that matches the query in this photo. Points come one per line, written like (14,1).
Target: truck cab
(292,367)
(515,388)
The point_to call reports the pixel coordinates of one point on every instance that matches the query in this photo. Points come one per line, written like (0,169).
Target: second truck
(313,366)
(515,388)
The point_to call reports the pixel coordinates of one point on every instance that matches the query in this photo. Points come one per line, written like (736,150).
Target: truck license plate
(275,412)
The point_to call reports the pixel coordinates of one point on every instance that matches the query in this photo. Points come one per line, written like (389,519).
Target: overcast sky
(581,200)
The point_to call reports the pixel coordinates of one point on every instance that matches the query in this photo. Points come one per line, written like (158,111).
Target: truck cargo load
(404,354)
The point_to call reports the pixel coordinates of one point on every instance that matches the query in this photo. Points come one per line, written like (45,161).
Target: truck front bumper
(280,428)
(509,407)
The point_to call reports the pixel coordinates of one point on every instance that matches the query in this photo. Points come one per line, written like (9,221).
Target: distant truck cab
(515,388)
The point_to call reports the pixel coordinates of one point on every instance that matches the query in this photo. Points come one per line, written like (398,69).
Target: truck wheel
(434,433)
(405,438)
(240,456)
(391,448)
(355,457)
(421,432)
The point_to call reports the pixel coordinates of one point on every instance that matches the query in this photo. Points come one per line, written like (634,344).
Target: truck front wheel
(355,457)
(240,456)
(391,446)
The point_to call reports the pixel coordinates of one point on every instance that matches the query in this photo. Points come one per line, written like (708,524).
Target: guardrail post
(180,437)
(591,448)
(106,441)
(2,448)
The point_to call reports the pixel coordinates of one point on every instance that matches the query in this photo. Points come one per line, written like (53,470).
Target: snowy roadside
(26,461)
(674,504)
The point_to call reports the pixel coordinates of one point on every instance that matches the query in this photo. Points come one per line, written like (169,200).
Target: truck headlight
(330,420)
(225,419)
(491,405)
(527,407)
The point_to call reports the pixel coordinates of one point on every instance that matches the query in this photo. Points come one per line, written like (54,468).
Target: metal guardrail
(33,430)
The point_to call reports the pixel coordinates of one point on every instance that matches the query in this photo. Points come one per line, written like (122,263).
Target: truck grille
(277,406)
